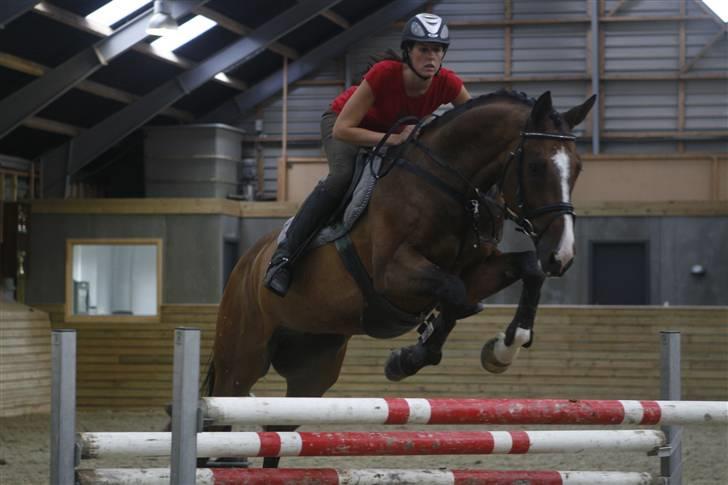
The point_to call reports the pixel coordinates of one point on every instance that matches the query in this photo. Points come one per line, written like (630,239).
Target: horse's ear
(542,108)
(576,115)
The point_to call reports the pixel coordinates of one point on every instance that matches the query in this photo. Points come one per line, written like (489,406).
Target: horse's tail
(209,381)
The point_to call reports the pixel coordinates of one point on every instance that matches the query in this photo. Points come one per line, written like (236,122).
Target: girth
(379,317)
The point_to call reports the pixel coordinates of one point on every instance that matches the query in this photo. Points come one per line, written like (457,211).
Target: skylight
(719,7)
(194,27)
(115,10)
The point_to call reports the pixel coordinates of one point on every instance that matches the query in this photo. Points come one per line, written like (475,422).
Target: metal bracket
(427,327)
(77,450)
(661,451)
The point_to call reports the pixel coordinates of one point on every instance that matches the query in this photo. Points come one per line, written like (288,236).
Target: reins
(521,217)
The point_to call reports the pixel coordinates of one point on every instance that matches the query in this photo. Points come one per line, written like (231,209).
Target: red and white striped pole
(103,445)
(331,476)
(314,411)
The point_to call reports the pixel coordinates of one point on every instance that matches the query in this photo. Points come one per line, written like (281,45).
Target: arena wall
(579,352)
(195,232)
(25,360)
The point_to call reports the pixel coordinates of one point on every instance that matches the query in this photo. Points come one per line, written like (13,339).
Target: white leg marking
(504,354)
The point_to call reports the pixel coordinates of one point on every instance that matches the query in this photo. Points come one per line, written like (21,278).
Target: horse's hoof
(488,360)
(393,368)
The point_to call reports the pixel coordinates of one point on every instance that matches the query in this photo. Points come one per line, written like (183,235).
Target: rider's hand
(402,137)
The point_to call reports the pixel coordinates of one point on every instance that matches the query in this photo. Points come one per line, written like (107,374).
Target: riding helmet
(425,27)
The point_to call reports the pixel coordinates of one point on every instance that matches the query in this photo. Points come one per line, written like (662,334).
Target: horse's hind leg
(310,364)
(240,359)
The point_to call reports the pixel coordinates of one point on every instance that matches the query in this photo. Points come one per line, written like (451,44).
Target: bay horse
(428,239)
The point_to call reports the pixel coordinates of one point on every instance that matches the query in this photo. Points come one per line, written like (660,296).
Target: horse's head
(539,178)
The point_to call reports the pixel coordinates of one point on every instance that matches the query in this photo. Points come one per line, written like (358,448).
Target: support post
(670,377)
(63,407)
(595,76)
(185,404)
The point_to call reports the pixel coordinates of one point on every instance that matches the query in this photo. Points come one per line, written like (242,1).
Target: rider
(360,116)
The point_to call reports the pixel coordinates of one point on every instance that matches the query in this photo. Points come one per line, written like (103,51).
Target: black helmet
(426,27)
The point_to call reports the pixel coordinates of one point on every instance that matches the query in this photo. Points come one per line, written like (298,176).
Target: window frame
(68,281)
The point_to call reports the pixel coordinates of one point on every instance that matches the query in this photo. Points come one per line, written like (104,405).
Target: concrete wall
(191,251)
(674,245)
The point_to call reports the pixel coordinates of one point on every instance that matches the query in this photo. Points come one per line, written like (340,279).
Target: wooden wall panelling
(580,352)
(25,360)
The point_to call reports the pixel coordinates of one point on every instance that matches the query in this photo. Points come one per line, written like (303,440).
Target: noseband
(522,217)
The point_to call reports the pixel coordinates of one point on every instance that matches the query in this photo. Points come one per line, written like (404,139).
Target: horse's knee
(530,268)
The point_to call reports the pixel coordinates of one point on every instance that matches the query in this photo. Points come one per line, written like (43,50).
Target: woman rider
(360,116)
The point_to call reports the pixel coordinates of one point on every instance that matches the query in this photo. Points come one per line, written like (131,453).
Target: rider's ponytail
(388,55)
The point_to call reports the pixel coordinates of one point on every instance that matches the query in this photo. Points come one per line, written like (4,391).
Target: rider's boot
(313,214)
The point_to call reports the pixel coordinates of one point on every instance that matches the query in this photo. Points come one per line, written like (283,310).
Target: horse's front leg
(412,275)
(498,353)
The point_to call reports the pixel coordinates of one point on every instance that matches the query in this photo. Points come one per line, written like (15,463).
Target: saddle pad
(360,197)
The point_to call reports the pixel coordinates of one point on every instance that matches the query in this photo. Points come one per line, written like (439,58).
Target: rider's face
(426,58)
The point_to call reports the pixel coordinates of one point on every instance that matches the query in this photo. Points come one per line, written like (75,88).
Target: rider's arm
(347,126)
(462,97)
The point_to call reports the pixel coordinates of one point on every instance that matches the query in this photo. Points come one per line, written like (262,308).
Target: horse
(428,243)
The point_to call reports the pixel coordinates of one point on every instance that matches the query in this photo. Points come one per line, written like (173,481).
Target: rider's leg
(316,209)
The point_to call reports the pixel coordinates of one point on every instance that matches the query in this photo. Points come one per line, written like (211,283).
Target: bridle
(474,197)
(523,216)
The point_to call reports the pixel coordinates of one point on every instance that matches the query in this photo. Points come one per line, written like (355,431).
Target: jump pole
(389,443)
(332,476)
(383,411)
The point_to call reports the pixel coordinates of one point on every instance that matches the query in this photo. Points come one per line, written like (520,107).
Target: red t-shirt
(390,99)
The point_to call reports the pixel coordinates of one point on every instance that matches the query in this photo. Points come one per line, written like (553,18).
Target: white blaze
(565,249)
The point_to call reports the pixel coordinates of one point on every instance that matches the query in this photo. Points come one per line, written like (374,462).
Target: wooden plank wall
(25,360)
(579,352)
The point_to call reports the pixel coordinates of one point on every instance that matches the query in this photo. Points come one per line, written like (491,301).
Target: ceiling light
(115,10)
(189,30)
(161,22)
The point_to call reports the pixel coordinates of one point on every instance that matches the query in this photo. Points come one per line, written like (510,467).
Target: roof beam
(71,157)
(336,18)
(237,28)
(233,109)
(9,11)
(35,96)
(92,87)
(51,126)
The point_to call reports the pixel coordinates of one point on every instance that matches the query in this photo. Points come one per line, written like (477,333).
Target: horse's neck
(478,141)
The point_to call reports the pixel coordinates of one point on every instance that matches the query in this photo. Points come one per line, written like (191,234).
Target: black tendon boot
(313,214)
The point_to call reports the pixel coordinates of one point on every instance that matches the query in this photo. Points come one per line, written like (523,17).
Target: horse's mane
(500,95)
